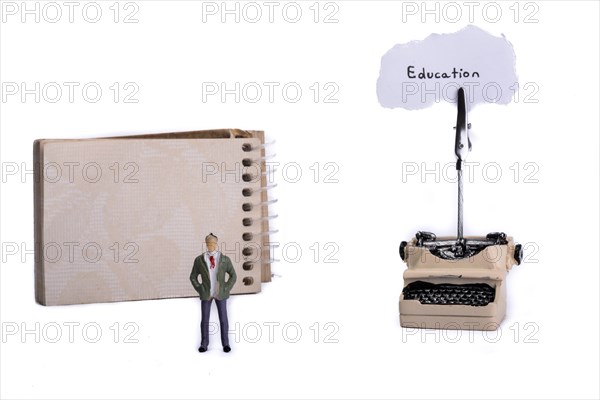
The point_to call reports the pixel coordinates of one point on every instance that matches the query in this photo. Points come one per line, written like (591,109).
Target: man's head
(211,242)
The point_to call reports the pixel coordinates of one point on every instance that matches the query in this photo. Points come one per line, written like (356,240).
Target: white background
(547,347)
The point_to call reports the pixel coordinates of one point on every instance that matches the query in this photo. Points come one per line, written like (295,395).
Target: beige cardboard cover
(123,218)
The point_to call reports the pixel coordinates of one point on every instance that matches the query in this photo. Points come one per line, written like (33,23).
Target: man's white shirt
(212,272)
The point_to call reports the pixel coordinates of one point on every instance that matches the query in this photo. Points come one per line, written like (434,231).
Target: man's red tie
(212,262)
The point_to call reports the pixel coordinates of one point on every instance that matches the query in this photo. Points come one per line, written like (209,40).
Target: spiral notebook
(123,218)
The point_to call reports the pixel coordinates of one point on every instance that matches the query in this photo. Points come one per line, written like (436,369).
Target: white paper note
(417,74)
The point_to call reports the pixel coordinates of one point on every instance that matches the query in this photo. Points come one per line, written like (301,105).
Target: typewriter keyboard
(471,294)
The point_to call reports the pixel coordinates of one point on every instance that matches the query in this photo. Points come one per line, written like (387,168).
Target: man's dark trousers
(222,310)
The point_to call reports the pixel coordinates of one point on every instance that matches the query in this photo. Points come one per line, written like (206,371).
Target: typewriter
(457,282)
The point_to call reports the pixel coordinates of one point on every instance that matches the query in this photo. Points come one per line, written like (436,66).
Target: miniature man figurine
(212,266)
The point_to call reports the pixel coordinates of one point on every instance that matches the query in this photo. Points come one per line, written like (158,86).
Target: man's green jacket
(204,288)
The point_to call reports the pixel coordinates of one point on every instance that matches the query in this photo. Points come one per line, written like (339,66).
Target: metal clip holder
(448,283)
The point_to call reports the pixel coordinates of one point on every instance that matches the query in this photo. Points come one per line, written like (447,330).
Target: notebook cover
(123,218)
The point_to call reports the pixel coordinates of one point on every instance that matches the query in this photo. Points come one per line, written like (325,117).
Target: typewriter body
(457,282)
(446,291)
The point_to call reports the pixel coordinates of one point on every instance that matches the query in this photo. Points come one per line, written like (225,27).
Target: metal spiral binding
(251,221)
(248,146)
(247,192)
(249,236)
(246,162)
(250,178)
(250,206)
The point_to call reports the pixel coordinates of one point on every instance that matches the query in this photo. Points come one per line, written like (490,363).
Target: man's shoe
(201,349)
(226,349)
